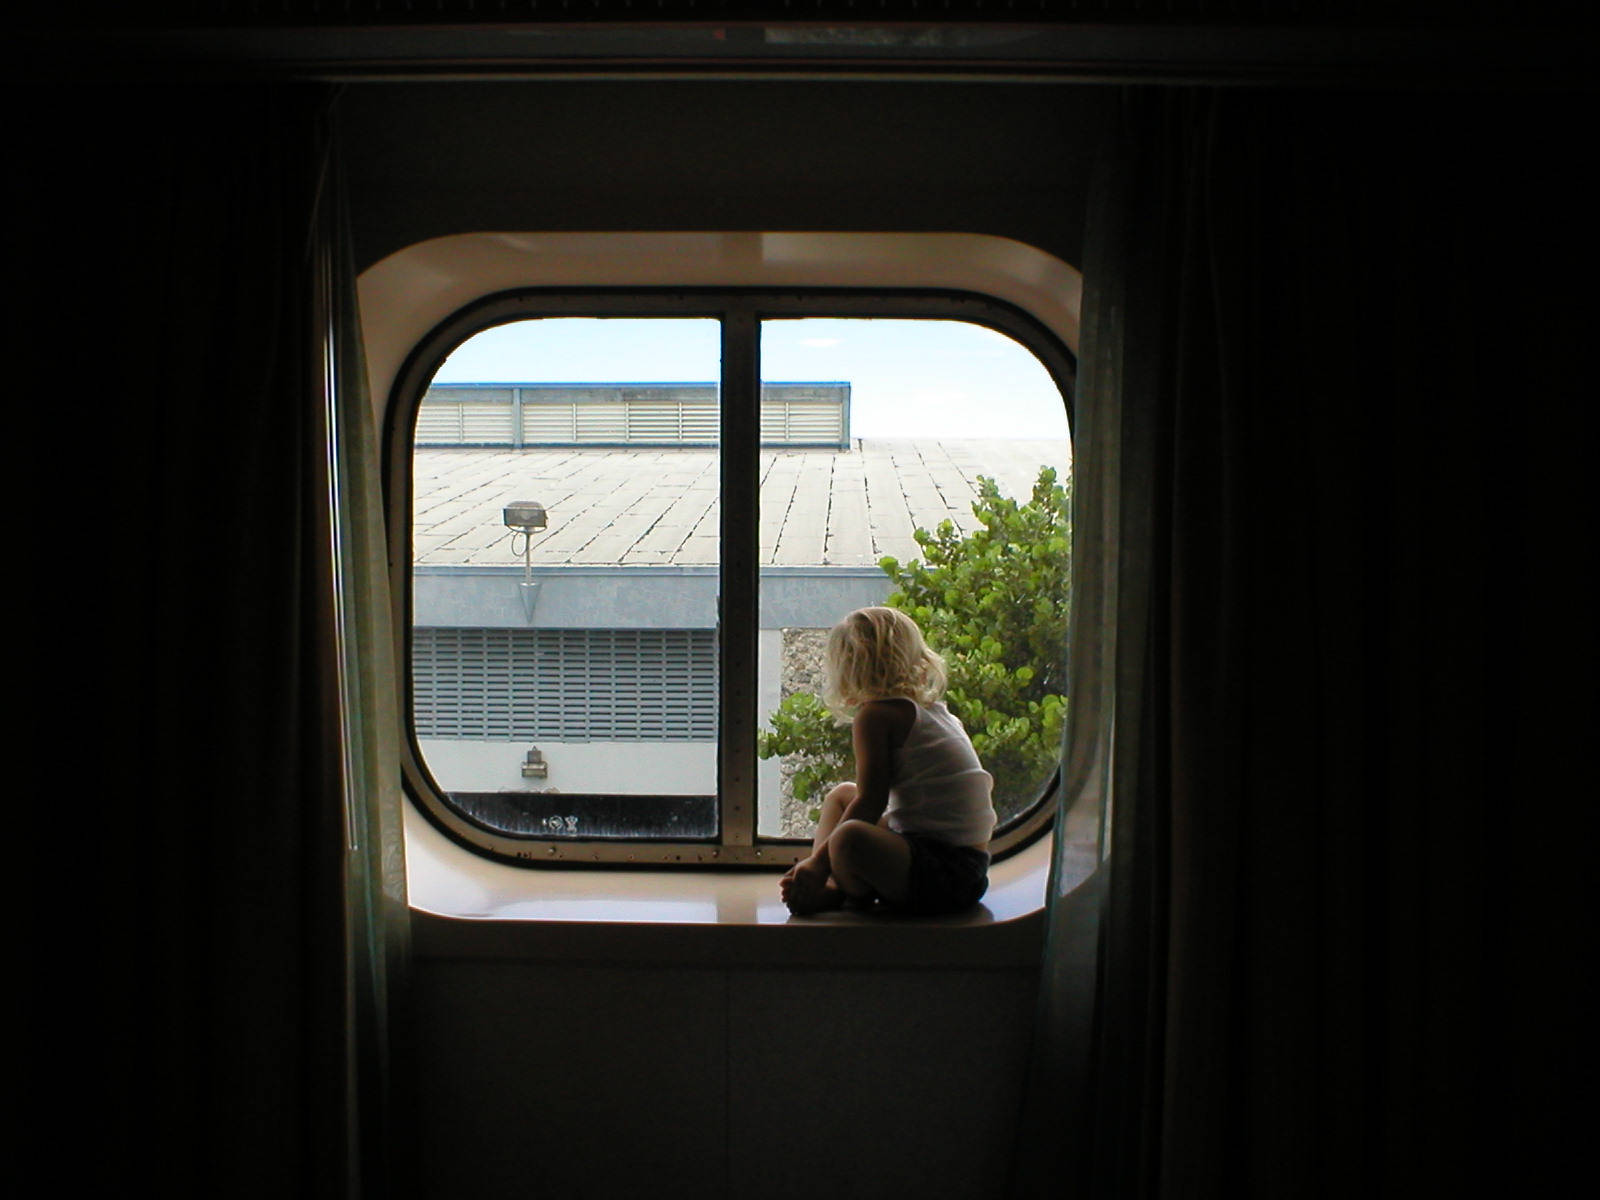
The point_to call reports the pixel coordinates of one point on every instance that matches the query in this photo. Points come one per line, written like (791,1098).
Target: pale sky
(926,379)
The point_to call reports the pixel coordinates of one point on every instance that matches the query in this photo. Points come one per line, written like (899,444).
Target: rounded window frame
(749,305)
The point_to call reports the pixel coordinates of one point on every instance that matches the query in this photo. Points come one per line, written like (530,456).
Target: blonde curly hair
(877,654)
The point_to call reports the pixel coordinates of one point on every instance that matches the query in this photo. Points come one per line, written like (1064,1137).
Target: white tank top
(939,787)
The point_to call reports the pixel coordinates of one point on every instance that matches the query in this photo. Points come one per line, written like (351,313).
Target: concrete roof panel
(658,506)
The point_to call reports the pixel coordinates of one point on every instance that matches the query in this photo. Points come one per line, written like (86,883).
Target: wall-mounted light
(525,518)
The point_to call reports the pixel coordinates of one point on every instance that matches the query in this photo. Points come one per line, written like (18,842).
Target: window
(719,476)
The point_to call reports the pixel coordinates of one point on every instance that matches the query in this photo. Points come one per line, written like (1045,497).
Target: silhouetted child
(913,829)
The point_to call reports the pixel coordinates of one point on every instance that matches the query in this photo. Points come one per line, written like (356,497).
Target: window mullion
(738,616)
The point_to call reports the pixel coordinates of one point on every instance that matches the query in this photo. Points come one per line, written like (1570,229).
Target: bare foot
(804,896)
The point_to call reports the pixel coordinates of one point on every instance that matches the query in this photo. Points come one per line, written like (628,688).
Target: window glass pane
(874,503)
(564,672)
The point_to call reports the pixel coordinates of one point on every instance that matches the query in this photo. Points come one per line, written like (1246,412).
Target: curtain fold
(1306,564)
(1055,1142)
(376,912)
(228,917)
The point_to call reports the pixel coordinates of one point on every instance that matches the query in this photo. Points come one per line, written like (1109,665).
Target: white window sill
(467,906)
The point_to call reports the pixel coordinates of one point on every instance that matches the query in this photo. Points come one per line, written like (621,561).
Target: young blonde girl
(913,829)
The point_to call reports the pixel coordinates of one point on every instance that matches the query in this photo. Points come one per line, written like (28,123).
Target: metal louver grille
(792,414)
(568,685)
(465,423)
(802,423)
(672,422)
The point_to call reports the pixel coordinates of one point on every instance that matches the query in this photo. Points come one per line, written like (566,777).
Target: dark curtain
(1334,367)
(204,895)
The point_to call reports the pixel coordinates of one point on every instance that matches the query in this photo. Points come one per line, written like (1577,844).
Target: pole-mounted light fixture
(525,518)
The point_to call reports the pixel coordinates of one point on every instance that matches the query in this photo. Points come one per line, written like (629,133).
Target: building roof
(657,506)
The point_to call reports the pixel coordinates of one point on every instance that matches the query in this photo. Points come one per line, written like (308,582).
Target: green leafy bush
(802,726)
(994,604)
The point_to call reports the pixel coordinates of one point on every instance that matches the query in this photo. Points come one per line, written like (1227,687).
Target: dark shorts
(944,878)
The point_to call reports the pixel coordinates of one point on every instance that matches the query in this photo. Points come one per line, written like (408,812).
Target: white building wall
(648,768)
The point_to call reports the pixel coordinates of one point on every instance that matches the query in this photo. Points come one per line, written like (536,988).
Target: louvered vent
(485,418)
(792,414)
(802,423)
(566,685)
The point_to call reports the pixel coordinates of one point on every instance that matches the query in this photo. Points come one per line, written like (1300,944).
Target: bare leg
(870,860)
(802,898)
(833,807)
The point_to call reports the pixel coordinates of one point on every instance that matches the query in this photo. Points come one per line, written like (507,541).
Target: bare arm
(880,725)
